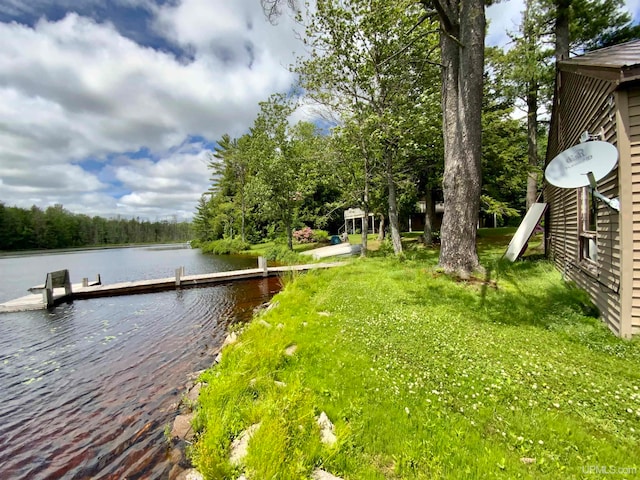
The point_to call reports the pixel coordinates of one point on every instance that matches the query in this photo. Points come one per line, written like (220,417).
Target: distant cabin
(593,245)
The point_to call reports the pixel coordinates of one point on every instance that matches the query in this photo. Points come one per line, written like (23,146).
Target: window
(587,223)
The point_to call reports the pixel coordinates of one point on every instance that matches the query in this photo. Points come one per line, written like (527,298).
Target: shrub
(225,246)
(281,254)
(321,236)
(304,235)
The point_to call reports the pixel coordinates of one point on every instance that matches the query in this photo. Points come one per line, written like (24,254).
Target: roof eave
(616,74)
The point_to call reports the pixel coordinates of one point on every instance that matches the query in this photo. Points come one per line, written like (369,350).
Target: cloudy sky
(111,107)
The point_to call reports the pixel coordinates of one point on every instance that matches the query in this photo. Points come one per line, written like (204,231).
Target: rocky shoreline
(182,433)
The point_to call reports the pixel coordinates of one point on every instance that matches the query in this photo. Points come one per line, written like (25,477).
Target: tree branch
(445,12)
(403,49)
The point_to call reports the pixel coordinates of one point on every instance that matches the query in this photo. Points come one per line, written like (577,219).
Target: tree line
(55,227)
(417,108)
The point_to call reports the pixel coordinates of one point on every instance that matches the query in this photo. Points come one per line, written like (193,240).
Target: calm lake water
(86,389)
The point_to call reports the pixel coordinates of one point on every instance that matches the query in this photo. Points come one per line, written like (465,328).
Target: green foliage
(425,377)
(321,236)
(386,87)
(497,208)
(224,246)
(267,180)
(55,227)
(281,254)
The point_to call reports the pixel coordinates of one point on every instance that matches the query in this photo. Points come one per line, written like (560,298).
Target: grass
(426,377)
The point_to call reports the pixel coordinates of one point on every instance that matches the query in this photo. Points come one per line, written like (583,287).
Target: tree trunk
(287,226)
(429,217)
(381,228)
(393,206)
(365,209)
(462,45)
(365,231)
(532,143)
(562,29)
(243,207)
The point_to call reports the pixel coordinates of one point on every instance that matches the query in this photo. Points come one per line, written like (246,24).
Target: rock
(192,377)
(291,350)
(182,427)
(240,446)
(280,384)
(191,474)
(527,460)
(264,323)
(230,339)
(265,307)
(319,474)
(324,314)
(193,394)
(272,306)
(280,326)
(175,472)
(175,456)
(218,358)
(304,324)
(328,436)
(253,382)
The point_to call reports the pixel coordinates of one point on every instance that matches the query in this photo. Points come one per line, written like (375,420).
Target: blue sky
(111,107)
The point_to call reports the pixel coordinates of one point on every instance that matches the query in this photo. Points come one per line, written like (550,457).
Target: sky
(112,107)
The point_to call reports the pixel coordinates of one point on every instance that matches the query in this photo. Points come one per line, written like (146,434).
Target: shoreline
(57,251)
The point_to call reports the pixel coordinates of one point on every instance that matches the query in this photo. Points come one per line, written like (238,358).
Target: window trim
(587,238)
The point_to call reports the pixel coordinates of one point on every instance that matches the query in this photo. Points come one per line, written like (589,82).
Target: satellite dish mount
(613,203)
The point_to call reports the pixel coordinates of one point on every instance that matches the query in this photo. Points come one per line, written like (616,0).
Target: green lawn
(426,377)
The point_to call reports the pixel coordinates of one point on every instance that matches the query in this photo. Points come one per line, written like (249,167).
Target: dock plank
(79,292)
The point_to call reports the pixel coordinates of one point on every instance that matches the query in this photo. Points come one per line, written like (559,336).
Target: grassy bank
(426,377)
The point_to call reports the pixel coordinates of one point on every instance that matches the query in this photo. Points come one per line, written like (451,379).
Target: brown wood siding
(633,99)
(586,104)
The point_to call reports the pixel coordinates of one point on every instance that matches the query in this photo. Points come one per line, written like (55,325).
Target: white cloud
(503,17)
(77,89)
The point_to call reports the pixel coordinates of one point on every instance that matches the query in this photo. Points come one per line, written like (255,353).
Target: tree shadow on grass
(523,293)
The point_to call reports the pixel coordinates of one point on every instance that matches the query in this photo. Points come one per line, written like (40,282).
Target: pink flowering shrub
(304,235)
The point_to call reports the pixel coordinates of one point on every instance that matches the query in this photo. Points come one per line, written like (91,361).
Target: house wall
(589,104)
(633,132)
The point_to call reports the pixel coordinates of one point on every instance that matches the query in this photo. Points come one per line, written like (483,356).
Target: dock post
(47,296)
(179,275)
(85,282)
(262,264)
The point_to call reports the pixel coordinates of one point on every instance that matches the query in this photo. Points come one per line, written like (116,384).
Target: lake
(87,388)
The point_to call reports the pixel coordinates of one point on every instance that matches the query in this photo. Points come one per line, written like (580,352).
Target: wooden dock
(82,291)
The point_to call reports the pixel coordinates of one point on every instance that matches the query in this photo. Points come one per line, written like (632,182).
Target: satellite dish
(570,168)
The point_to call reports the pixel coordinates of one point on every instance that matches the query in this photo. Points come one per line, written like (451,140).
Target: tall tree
(285,159)
(362,67)
(462,30)
(548,31)
(230,167)
(524,77)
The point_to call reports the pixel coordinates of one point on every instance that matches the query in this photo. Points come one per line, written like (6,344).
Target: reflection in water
(88,388)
